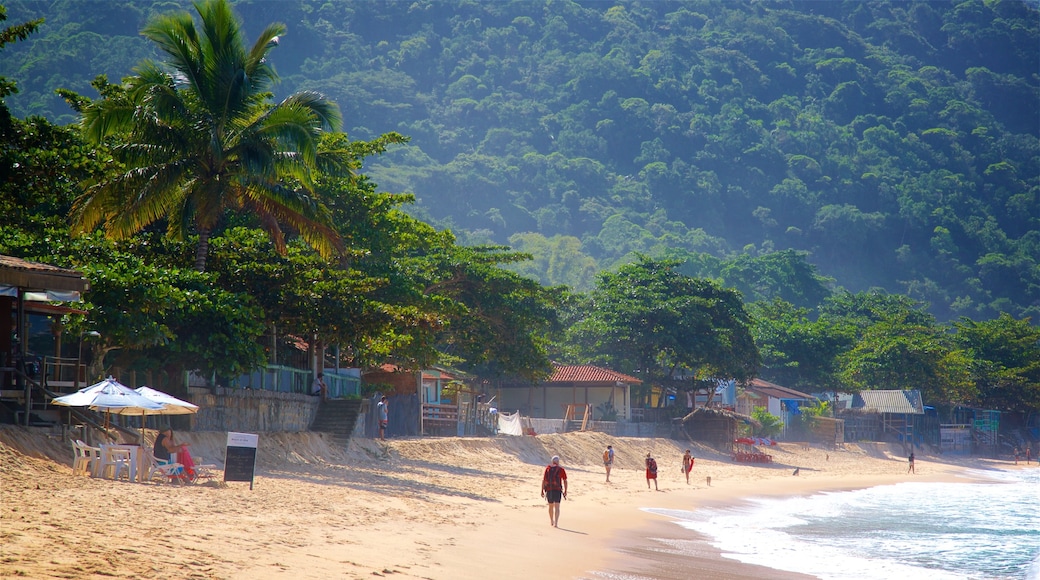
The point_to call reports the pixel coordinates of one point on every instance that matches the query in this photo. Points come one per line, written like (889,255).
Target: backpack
(552,478)
(606,456)
(651,464)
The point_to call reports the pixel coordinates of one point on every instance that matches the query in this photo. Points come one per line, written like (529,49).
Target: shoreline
(419,508)
(661,549)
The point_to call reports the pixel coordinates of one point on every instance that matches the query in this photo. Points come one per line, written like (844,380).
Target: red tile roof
(588,374)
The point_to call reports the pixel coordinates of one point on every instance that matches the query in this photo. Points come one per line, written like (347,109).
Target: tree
(797,352)
(649,319)
(1006,361)
(897,345)
(199,137)
(7,35)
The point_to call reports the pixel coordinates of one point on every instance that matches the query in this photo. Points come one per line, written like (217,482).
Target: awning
(44,296)
(61,283)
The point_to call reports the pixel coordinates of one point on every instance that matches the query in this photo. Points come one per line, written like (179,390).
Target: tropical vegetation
(814,194)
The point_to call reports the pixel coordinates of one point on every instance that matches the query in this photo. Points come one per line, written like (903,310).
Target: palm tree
(199,137)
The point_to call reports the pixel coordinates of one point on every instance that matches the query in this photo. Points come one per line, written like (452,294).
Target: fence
(282,379)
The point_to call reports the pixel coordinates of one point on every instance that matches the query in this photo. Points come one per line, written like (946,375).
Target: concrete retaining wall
(251,411)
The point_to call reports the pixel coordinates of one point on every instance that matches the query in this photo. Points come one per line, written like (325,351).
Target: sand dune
(436,508)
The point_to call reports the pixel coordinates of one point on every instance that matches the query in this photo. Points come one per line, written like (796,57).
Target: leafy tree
(786,275)
(769,425)
(797,351)
(898,346)
(1005,361)
(201,138)
(497,322)
(648,319)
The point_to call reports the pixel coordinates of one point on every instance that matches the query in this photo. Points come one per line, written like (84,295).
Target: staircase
(337,416)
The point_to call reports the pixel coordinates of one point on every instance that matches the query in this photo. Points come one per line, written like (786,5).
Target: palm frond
(176,36)
(325,110)
(260,72)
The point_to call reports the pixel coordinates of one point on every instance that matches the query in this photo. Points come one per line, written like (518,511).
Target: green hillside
(895,144)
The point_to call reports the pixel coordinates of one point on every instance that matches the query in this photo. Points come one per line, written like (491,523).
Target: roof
(432,373)
(905,402)
(588,374)
(36,276)
(775,391)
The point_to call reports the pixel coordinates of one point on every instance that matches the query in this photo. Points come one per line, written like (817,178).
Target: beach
(417,508)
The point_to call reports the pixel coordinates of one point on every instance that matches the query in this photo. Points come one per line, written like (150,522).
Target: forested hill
(896,143)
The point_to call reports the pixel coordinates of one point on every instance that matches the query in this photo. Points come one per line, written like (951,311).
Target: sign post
(240,462)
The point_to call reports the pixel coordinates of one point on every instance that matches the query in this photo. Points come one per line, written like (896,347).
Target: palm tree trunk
(202,250)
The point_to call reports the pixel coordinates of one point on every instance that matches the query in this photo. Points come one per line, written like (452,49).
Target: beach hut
(715,426)
(607,393)
(28,291)
(880,414)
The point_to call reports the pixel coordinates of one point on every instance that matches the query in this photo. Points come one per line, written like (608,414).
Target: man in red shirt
(554,487)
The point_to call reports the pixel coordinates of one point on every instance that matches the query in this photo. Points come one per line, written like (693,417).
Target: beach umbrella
(171,405)
(109,396)
(168,405)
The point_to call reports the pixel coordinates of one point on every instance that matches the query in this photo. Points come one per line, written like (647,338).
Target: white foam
(910,530)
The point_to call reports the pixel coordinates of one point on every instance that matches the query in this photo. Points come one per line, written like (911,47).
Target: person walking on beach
(687,465)
(554,488)
(384,417)
(651,471)
(911,459)
(608,460)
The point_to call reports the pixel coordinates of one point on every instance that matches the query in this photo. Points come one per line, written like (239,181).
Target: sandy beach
(421,508)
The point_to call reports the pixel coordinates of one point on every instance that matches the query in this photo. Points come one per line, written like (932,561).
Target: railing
(342,385)
(435,415)
(284,379)
(276,378)
(64,372)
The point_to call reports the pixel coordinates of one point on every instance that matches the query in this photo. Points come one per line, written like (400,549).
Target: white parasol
(171,405)
(109,396)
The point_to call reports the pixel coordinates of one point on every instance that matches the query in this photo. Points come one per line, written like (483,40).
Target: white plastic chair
(116,459)
(85,458)
(169,470)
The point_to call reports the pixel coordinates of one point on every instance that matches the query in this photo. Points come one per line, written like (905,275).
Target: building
(32,340)
(779,401)
(607,392)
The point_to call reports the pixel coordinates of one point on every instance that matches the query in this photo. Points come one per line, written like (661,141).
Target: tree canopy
(891,143)
(195,136)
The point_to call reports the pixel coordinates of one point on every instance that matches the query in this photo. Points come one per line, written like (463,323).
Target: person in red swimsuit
(651,471)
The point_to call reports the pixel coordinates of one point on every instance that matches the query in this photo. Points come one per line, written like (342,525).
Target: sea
(905,531)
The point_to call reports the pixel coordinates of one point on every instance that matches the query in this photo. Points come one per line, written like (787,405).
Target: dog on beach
(796,470)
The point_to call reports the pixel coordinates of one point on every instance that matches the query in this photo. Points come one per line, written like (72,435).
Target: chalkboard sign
(240,458)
